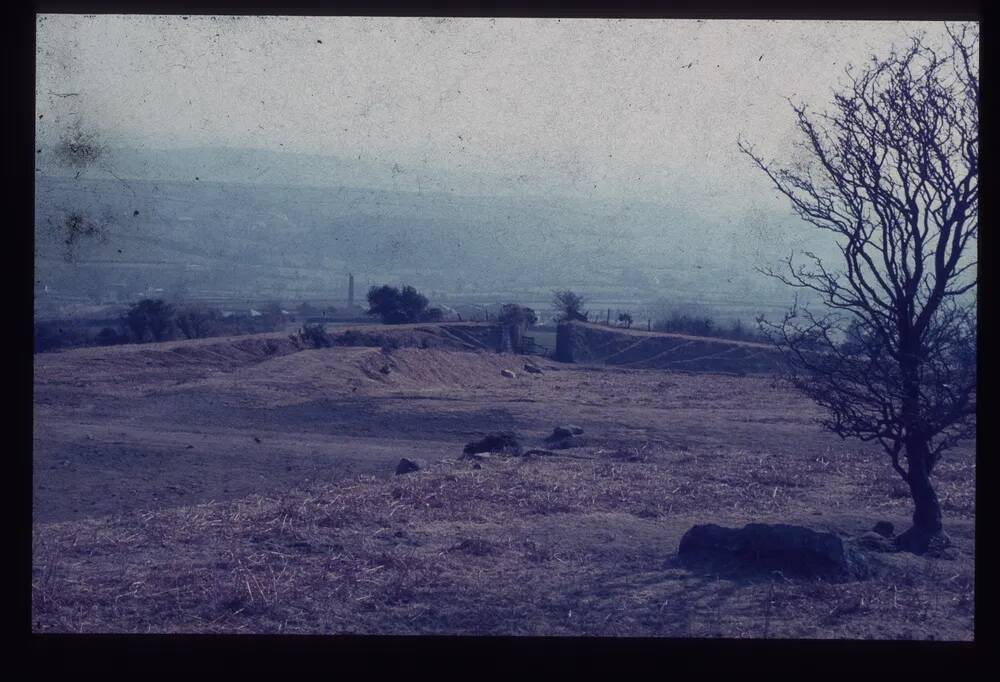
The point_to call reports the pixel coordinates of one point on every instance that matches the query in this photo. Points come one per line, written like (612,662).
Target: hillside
(223,233)
(244,485)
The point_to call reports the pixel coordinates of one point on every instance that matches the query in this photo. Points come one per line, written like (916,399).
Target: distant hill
(294,225)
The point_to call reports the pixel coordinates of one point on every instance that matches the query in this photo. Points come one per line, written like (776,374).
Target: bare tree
(893,174)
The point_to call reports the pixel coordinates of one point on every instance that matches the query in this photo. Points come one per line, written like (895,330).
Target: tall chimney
(350,289)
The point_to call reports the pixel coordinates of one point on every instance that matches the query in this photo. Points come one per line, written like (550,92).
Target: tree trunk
(927,528)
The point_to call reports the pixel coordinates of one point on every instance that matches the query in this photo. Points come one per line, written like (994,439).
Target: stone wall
(590,343)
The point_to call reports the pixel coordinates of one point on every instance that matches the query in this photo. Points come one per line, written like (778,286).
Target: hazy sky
(648,108)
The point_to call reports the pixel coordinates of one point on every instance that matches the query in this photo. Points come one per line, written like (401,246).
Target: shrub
(512,313)
(150,318)
(395,306)
(314,335)
(197,323)
(701,325)
(569,306)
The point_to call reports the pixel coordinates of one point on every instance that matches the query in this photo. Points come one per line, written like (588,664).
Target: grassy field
(246,486)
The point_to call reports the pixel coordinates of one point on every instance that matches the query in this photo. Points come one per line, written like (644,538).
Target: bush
(150,318)
(197,323)
(512,313)
(569,306)
(395,306)
(700,325)
(314,335)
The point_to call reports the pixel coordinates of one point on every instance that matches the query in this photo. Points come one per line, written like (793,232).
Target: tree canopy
(400,306)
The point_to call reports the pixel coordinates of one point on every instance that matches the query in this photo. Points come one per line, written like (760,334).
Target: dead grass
(580,542)
(541,545)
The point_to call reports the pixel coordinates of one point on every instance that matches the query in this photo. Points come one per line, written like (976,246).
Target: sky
(592,107)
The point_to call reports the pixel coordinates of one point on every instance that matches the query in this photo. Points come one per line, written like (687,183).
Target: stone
(563,437)
(883,528)
(496,442)
(793,550)
(508,373)
(532,369)
(406,466)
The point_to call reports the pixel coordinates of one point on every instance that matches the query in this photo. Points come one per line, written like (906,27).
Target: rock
(477,465)
(406,466)
(508,373)
(883,528)
(385,369)
(536,451)
(563,437)
(497,442)
(532,369)
(793,550)
(561,432)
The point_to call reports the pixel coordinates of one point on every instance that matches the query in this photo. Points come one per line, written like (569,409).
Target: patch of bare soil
(284,515)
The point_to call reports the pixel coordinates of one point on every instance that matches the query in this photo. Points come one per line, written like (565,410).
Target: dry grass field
(246,485)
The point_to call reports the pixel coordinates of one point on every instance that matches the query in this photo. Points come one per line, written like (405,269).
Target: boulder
(532,369)
(508,373)
(793,550)
(883,528)
(406,466)
(563,437)
(497,442)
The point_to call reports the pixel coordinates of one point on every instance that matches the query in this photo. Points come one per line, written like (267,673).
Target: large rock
(406,466)
(563,437)
(497,442)
(883,528)
(793,550)
(532,369)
